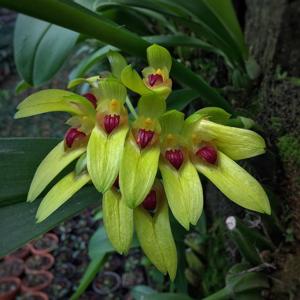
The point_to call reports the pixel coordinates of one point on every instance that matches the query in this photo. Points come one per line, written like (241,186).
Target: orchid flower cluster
(146,162)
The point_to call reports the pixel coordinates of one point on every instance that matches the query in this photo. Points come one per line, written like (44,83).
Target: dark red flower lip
(111,122)
(175,157)
(150,201)
(144,137)
(208,153)
(155,79)
(72,135)
(91,97)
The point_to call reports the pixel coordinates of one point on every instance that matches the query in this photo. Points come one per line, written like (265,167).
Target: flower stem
(131,108)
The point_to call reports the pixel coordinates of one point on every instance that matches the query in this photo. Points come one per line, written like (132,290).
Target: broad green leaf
(90,61)
(18,225)
(22,86)
(132,80)
(184,192)
(112,89)
(151,106)
(159,57)
(104,154)
(236,183)
(138,292)
(34,41)
(137,172)
(117,62)
(54,100)
(156,239)
(60,193)
(118,220)
(237,143)
(180,99)
(20,157)
(56,160)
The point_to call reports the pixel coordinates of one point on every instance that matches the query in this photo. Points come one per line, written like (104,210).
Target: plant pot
(9,287)
(106,283)
(61,287)
(40,262)
(46,244)
(21,253)
(34,296)
(36,281)
(12,267)
(66,270)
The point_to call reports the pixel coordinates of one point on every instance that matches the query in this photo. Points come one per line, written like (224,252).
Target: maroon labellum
(208,153)
(72,135)
(91,97)
(144,137)
(155,79)
(175,158)
(111,122)
(116,183)
(150,201)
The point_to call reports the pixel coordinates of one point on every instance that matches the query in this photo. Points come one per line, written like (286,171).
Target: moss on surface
(289,148)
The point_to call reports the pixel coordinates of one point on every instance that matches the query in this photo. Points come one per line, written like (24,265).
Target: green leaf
(55,161)
(61,192)
(117,62)
(20,157)
(166,296)
(94,25)
(180,99)
(17,221)
(34,41)
(22,86)
(88,62)
(138,292)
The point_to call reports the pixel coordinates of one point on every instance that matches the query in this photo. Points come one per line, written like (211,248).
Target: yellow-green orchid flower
(180,178)
(140,158)
(75,141)
(156,77)
(106,142)
(213,149)
(152,225)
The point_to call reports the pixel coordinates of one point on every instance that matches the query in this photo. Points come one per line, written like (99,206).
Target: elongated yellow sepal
(118,221)
(236,143)
(54,100)
(236,183)
(184,192)
(56,160)
(104,153)
(155,237)
(60,193)
(137,172)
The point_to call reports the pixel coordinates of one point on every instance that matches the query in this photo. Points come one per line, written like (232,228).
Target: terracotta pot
(37,281)
(21,253)
(12,291)
(39,262)
(106,283)
(46,244)
(34,296)
(12,267)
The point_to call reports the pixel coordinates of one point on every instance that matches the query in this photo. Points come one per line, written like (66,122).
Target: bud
(91,97)
(111,122)
(72,135)
(175,158)
(208,153)
(155,79)
(150,201)
(144,137)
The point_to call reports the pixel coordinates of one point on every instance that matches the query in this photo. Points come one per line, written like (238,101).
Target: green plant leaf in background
(19,219)
(41,48)
(97,26)
(20,158)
